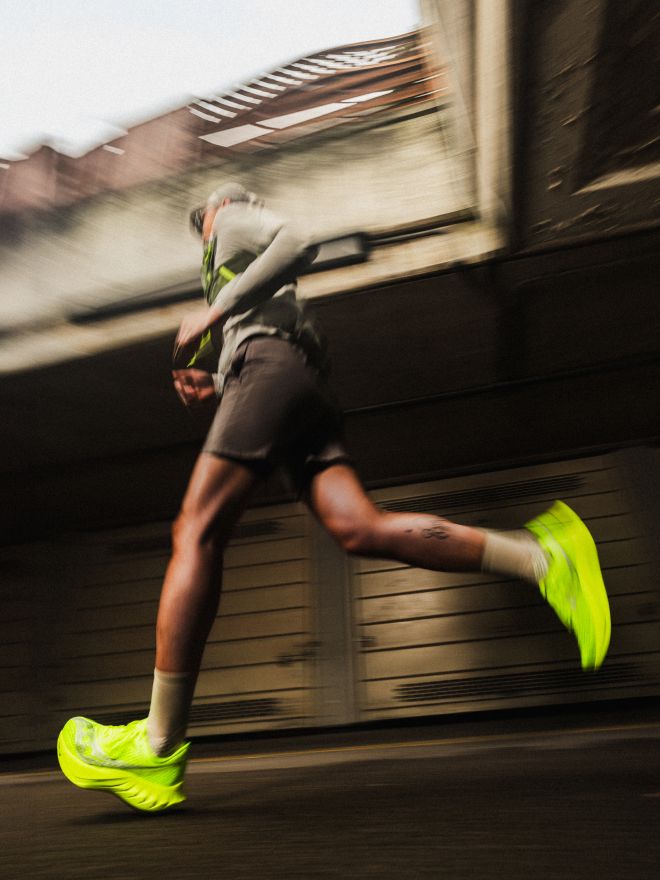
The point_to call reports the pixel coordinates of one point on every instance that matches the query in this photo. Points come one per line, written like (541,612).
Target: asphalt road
(561,803)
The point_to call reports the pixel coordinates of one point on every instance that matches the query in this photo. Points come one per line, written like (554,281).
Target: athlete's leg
(216,496)
(337,498)
(144,762)
(214,500)
(555,551)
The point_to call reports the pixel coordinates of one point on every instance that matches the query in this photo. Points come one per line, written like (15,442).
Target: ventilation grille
(487,495)
(260,529)
(520,684)
(238,709)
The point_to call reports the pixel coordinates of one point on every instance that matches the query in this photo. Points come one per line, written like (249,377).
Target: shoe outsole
(581,549)
(139,793)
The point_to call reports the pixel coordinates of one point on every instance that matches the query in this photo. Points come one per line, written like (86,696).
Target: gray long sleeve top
(265,253)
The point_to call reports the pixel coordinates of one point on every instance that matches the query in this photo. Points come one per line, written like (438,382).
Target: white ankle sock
(171,696)
(514,553)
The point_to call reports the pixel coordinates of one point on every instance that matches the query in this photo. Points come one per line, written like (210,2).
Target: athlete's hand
(193,326)
(194,387)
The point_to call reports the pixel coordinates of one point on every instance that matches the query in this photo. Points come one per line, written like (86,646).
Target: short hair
(231,190)
(197,219)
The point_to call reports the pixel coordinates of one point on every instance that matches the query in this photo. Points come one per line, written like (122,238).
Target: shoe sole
(139,793)
(580,548)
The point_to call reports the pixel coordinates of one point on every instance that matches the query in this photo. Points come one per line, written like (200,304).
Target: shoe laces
(120,740)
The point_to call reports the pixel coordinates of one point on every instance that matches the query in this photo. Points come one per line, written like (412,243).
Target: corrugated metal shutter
(33,592)
(431,642)
(306,636)
(258,665)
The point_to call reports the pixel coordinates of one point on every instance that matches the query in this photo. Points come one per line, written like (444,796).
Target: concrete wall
(120,245)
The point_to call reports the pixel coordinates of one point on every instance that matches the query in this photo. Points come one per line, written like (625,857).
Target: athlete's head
(229,192)
(225,194)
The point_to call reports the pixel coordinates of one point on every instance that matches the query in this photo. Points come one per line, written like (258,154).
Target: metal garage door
(430,642)
(33,591)
(305,636)
(257,670)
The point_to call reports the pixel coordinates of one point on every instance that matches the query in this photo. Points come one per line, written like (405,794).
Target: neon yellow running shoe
(119,759)
(573,585)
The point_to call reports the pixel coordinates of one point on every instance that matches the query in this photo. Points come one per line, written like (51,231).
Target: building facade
(486,189)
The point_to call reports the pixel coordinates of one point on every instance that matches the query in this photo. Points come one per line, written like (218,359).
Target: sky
(75,73)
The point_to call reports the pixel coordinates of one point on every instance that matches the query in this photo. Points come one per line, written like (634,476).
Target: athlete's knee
(183,531)
(357,536)
(193,529)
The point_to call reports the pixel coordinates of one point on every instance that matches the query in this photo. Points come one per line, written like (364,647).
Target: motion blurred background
(482,178)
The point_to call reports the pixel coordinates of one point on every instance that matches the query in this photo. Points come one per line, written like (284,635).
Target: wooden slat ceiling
(339,86)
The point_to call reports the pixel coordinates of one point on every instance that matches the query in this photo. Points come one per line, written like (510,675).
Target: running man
(275,409)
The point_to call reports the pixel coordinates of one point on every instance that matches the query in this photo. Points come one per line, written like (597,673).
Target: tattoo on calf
(438,532)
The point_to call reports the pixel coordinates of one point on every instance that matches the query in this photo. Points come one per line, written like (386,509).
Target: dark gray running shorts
(275,410)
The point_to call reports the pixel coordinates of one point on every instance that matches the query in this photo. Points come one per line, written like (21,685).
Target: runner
(275,409)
